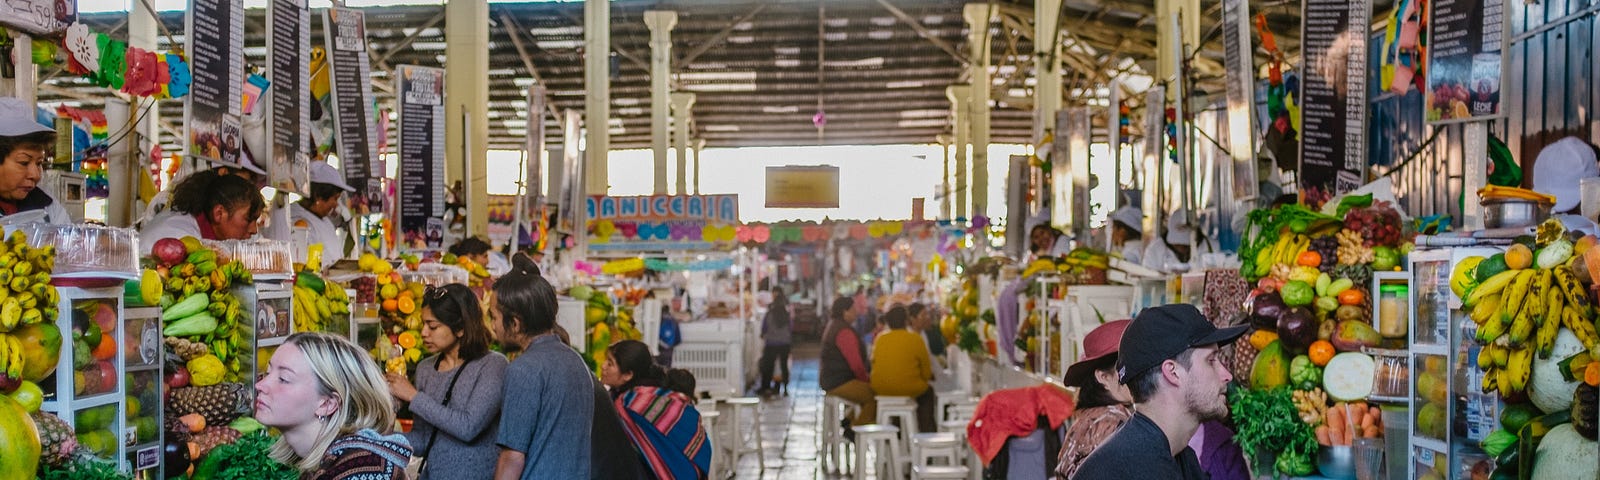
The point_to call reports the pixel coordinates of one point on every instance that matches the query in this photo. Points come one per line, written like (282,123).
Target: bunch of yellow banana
(310,310)
(1285,251)
(1492,192)
(11,356)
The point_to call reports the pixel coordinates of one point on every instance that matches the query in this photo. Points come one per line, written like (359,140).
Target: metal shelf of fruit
(143,356)
(1448,412)
(88,389)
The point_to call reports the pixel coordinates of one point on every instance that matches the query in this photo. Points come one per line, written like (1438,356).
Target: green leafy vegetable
(1264,225)
(1267,421)
(1353,201)
(83,467)
(245,459)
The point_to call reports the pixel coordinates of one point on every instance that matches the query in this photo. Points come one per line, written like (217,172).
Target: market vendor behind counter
(24,153)
(209,206)
(311,220)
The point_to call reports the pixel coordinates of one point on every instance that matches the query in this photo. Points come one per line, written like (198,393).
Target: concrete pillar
(978,16)
(944,178)
(21,86)
(466,96)
(699,148)
(119,204)
(660,23)
(597,103)
(1047,58)
(681,103)
(143,30)
(959,116)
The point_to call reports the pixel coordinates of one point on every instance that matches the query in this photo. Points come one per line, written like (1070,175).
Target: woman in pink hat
(1104,404)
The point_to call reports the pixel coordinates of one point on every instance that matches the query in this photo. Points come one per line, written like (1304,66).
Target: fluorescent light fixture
(614,121)
(568,93)
(905,84)
(871,62)
(722,128)
(500,72)
(786,50)
(786,63)
(720,87)
(493,114)
(784,109)
(880,34)
(429,45)
(522,113)
(559,44)
(616,130)
(741,39)
(708,66)
(838,22)
(517,131)
(921,123)
(931,113)
(625,101)
(882,21)
(522,82)
(738,76)
(743,26)
(629,111)
(1017,92)
(933,20)
(427,32)
(556,31)
(513,123)
(255,51)
(835,36)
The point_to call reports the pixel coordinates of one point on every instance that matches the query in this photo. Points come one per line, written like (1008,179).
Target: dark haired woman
(844,365)
(207,206)
(557,421)
(458,406)
(777,335)
(1104,404)
(663,424)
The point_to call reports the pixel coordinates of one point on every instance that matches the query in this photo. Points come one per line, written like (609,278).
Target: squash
(1348,377)
(1563,455)
(1547,388)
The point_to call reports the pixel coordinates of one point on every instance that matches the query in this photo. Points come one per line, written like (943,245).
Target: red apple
(178,378)
(169,251)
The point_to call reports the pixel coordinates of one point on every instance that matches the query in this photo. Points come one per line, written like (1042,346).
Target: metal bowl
(1513,212)
(1337,463)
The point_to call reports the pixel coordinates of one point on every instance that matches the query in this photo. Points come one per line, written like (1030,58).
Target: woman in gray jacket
(457,409)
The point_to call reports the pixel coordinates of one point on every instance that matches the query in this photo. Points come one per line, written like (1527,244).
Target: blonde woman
(334,409)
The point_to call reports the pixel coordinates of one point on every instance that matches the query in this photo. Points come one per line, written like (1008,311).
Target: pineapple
(56,437)
(219,404)
(214,436)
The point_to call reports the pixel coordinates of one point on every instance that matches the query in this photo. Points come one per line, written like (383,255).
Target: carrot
(1370,431)
(1368,421)
(1377,415)
(1322,436)
(1336,415)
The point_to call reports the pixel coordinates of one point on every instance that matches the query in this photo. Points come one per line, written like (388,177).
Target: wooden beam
(514,30)
(923,31)
(715,39)
(406,42)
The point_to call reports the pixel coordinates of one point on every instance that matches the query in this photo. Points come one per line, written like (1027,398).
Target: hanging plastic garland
(111,63)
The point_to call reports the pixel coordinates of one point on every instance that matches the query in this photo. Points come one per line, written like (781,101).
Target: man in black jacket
(1169,361)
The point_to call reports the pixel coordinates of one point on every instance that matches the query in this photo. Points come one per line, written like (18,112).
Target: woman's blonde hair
(346,373)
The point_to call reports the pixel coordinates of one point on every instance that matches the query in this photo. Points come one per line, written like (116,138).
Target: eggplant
(175,456)
(1297,328)
(1265,310)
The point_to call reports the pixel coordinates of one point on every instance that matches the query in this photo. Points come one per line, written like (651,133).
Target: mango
(1351,335)
(1271,369)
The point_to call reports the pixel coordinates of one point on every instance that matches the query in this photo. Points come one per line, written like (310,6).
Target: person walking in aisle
(778,334)
(329,400)
(843,367)
(460,388)
(662,421)
(555,423)
(1168,358)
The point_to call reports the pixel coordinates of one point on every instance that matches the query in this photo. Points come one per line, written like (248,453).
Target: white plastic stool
(904,409)
(708,418)
(739,446)
(952,398)
(884,441)
(834,446)
(928,446)
(938,473)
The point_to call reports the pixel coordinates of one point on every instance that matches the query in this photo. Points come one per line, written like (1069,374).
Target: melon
(19,442)
(1563,455)
(1546,387)
(1348,376)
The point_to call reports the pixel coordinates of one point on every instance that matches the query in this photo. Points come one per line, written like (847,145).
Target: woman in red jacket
(844,366)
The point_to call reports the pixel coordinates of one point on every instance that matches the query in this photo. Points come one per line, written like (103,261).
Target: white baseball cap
(1178,229)
(321,172)
(17,118)
(1130,217)
(1559,167)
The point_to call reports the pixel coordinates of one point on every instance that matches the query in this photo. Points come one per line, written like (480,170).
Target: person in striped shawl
(658,412)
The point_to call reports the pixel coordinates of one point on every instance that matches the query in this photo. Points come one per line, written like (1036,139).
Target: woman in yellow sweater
(901,366)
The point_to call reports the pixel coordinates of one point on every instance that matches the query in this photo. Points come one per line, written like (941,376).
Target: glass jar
(1393,311)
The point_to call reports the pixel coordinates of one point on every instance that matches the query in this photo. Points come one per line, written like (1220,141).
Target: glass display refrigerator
(1449,413)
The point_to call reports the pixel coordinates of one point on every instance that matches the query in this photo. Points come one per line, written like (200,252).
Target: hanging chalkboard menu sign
(346,33)
(1333,98)
(216,58)
(421,97)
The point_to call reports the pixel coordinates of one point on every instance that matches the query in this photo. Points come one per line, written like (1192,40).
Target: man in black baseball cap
(1169,361)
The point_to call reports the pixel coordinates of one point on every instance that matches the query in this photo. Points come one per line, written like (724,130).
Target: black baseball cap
(1161,333)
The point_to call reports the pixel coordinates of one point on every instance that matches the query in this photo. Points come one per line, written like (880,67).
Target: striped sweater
(365,455)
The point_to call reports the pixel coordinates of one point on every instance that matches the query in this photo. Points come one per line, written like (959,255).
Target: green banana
(1490,286)
(203,255)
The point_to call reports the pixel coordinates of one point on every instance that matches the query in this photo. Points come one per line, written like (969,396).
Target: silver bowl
(1337,463)
(1513,212)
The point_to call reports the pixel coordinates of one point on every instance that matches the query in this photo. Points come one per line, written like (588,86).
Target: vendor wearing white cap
(1126,227)
(24,152)
(1557,172)
(1044,240)
(314,215)
(1173,255)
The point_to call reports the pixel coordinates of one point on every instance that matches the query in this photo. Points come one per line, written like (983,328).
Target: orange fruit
(390,305)
(407,305)
(1352,296)
(1518,257)
(1321,352)
(106,349)
(1309,258)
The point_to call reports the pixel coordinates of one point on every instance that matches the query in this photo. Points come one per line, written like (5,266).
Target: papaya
(19,441)
(1271,369)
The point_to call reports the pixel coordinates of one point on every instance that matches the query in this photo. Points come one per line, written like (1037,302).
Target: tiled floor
(791,427)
